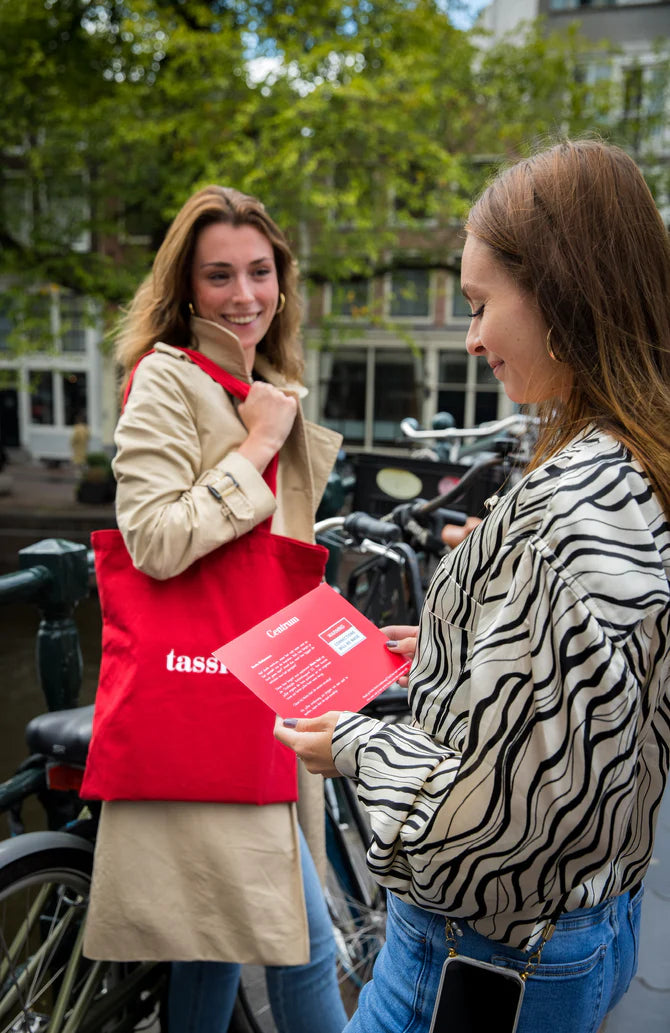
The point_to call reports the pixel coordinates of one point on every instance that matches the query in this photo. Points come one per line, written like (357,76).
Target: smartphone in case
(476,997)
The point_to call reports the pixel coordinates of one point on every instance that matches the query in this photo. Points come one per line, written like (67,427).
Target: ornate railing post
(63,579)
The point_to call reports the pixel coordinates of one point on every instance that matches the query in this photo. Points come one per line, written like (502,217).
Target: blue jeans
(585,969)
(303,998)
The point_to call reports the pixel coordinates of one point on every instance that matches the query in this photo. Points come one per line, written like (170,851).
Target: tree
(370,117)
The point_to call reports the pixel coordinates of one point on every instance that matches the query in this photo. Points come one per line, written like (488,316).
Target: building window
(72,323)
(350,300)
(9,408)
(41,397)
(398,380)
(5,330)
(571,5)
(632,92)
(410,293)
(342,380)
(366,392)
(58,399)
(16,205)
(75,398)
(460,308)
(49,320)
(644,106)
(467,389)
(487,393)
(452,385)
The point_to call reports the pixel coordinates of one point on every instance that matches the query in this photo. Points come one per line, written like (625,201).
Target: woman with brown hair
(210,885)
(513,821)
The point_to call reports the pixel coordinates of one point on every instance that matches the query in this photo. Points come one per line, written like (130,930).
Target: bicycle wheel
(45,981)
(356,902)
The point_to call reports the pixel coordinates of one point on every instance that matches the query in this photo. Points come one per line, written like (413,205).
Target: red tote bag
(170,723)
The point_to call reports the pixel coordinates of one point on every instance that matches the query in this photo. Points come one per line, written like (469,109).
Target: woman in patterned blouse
(518,810)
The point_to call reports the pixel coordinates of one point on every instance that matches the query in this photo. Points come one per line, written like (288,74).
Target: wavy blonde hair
(159,310)
(577,227)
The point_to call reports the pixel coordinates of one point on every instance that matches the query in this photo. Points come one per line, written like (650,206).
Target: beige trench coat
(184,881)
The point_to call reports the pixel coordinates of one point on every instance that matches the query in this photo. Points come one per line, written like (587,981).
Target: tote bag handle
(229,383)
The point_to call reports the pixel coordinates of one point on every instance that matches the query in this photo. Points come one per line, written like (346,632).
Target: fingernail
(290,722)
(390,644)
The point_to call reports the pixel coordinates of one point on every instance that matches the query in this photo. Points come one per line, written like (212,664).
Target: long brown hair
(577,227)
(159,310)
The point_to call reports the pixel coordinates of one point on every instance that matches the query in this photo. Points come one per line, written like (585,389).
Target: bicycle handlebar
(361,525)
(410,430)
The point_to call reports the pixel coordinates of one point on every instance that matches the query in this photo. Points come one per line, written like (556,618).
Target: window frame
(419,320)
(329,292)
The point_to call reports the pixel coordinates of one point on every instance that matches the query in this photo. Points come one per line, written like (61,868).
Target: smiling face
(508,329)
(234,282)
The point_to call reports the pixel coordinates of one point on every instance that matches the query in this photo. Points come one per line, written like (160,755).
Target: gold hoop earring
(550,352)
(282,303)
(190,308)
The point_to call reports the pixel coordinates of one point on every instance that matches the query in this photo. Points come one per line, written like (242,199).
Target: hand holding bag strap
(164,711)
(228,382)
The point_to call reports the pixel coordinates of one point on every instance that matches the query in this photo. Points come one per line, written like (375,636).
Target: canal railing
(53,574)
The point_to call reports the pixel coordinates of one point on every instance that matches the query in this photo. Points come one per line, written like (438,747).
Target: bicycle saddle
(63,735)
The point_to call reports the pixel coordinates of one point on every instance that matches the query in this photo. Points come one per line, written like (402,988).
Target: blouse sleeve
(172,506)
(539,794)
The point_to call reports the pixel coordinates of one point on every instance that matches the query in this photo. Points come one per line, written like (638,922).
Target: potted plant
(97,484)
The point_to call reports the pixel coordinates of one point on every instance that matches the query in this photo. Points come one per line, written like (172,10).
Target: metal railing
(53,574)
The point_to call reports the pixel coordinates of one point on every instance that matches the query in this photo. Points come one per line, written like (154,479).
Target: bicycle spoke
(48,985)
(31,972)
(14,950)
(67,984)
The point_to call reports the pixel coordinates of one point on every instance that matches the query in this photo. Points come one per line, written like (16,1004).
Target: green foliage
(371,120)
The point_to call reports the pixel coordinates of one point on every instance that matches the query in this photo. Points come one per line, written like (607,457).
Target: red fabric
(168,725)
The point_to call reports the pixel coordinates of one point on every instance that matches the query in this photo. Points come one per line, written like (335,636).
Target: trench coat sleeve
(182,488)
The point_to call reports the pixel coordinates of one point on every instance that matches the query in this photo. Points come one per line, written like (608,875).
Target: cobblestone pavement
(37,502)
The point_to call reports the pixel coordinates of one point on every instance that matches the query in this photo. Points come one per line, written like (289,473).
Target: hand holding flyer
(316,655)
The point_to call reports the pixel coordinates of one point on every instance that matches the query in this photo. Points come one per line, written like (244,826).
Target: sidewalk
(646,1006)
(37,502)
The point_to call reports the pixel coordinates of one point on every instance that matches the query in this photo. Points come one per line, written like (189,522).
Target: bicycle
(44,876)
(45,981)
(377,586)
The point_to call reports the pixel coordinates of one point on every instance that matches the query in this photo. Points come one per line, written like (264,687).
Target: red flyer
(317,654)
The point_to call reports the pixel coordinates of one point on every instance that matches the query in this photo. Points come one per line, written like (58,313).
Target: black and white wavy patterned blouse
(531,776)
